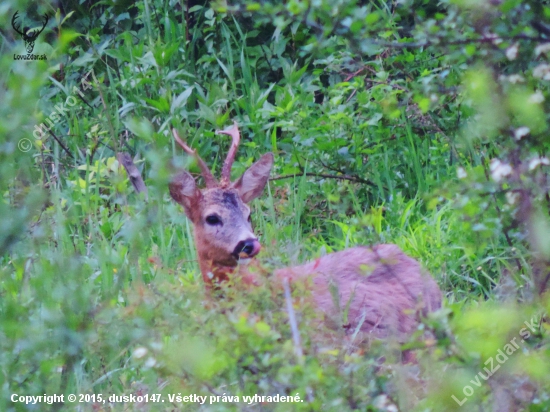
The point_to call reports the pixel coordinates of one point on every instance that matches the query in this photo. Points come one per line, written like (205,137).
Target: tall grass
(100,290)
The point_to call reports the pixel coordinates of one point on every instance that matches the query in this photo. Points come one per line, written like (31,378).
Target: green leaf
(141,128)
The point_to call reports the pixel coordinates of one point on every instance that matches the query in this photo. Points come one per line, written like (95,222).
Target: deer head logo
(29,36)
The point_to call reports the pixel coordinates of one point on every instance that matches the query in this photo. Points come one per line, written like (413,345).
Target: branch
(413,45)
(541,27)
(61,144)
(133,173)
(320,31)
(293,324)
(326,176)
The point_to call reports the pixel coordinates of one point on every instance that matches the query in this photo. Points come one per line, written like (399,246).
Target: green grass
(100,290)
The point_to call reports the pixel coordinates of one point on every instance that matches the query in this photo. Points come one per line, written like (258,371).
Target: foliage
(416,122)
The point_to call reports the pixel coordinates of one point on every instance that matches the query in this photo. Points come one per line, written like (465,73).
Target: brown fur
(385,288)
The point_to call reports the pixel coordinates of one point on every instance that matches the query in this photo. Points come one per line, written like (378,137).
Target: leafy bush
(419,123)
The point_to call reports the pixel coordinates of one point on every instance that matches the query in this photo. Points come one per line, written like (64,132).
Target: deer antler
(35,33)
(209,179)
(30,36)
(226,169)
(15,25)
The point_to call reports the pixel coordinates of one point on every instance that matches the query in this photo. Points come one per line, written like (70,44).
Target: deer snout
(247,248)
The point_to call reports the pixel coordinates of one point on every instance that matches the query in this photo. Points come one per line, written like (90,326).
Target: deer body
(383,287)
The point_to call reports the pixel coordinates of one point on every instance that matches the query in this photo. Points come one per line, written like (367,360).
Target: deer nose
(248,247)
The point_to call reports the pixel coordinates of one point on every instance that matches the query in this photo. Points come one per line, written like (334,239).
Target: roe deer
(383,287)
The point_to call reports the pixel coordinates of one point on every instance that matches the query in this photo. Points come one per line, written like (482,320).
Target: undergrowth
(385,123)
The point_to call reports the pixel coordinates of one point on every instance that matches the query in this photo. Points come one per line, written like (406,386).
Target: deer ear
(251,184)
(183,190)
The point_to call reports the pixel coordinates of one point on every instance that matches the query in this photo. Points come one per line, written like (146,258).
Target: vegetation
(422,123)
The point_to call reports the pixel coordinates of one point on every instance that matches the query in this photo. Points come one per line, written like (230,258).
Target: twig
(414,45)
(133,173)
(326,176)
(293,323)
(499,213)
(354,74)
(61,144)
(106,110)
(85,101)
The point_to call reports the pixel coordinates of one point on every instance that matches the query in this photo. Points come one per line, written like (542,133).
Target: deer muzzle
(246,249)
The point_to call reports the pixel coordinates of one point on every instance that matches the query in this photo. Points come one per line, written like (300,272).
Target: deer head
(220,212)
(29,36)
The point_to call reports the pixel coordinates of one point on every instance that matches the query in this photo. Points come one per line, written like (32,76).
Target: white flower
(150,362)
(512,197)
(382,402)
(542,71)
(542,48)
(499,170)
(521,132)
(515,78)
(461,173)
(537,161)
(139,353)
(512,51)
(493,37)
(156,345)
(536,97)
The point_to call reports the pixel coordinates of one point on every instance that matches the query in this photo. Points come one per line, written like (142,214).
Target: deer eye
(213,220)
